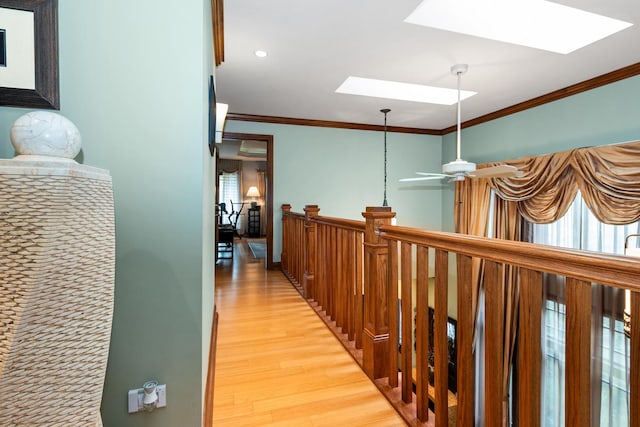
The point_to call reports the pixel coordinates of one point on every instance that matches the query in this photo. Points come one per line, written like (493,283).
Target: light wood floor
(277,364)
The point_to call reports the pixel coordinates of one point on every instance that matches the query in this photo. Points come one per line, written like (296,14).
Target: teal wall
(208,202)
(342,171)
(605,115)
(133,78)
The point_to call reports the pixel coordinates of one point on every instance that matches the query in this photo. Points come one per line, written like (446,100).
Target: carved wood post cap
(286,207)
(311,210)
(378,212)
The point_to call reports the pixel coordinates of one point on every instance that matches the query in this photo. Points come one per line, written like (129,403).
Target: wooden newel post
(375,339)
(284,256)
(308,290)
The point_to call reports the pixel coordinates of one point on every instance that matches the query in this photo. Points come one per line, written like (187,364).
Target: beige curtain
(229,166)
(608,178)
(508,225)
(471,213)
(262,189)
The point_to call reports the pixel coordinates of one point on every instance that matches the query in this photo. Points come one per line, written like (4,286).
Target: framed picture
(3,48)
(212,117)
(29,75)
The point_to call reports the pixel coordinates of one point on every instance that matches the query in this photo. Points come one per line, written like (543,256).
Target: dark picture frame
(212,117)
(46,94)
(3,48)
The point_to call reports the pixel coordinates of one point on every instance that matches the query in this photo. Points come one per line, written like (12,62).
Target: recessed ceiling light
(402,91)
(539,24)
(260,53)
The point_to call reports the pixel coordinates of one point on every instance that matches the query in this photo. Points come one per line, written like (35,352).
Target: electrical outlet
(135,398)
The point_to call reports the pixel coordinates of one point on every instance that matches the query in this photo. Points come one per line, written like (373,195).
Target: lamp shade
(253,192)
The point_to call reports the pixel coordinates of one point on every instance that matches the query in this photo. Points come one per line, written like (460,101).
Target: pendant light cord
(385,111)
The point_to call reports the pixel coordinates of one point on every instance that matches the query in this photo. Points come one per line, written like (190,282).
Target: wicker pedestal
(57,257)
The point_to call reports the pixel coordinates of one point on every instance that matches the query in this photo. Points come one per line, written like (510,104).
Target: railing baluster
(494,343)
(351,286)
(344,288)
(302,252)
(392,306)
(310,235)
(320,264)
(297,250)
(634,374)
(578,353)
(440,304)
(422,333)
(331,247)
(335,281)
(359,309)
(407,323)
(339,293)
(295,244)
(464,341)
(284,256)
(530,348)
(322,299)
(327,274)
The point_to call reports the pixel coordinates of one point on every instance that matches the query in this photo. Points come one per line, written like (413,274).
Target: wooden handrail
(294,215)
(611,270)
(369,261)
(346,224)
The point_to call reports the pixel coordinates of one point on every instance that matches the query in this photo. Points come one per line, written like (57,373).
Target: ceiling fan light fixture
(459,169)
(458,166)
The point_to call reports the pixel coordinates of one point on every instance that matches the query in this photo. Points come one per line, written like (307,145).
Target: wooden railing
(329,253)
(292,260)
(341,270)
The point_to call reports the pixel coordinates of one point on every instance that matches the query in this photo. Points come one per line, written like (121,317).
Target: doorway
(259,149)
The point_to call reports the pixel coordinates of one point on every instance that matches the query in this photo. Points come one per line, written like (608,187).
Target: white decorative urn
(43,133)
(57,271)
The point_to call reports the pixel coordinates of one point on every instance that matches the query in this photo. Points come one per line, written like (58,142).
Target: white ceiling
(314,45)
(251,151)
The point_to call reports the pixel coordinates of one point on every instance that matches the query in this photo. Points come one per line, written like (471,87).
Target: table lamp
(254,194)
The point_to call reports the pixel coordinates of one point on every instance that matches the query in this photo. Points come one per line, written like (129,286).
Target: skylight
(402,91)
(534,23)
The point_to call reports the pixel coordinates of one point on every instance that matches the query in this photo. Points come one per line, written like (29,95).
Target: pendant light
(385,111)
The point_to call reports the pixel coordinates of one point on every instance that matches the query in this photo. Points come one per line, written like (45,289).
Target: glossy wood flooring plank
(277,364)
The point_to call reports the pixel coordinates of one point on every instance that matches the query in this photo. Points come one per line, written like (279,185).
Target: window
(553,349)
(579,229)
(229,188)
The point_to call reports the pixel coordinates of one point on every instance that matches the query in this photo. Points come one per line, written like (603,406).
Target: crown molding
(596,82)
(325,123)
(602,80)
(217,17)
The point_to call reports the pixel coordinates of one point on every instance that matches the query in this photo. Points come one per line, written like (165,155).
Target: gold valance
(608,178)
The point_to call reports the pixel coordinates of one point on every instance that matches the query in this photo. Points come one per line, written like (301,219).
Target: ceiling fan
(458,169)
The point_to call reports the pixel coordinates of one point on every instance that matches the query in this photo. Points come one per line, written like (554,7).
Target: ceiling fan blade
(439,175)
(500,171)
(425,178)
